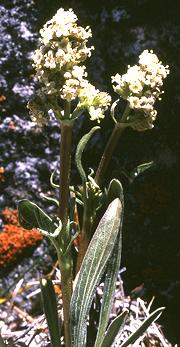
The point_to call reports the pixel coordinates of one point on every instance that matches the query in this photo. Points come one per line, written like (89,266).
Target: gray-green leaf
(143,327)
(51,312)
(80,149)
(114,328)
(92,269)
(32,216)
(115,190)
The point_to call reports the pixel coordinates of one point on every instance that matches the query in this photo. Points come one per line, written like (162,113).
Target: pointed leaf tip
(115,327)
(94,264)
(143,327)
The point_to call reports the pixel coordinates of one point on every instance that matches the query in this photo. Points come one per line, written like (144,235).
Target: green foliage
(32,216)
(79,152)
(93,266)
(114,191)
(139,170)
(114,328)
(51,312)
(143,327)
(2,343)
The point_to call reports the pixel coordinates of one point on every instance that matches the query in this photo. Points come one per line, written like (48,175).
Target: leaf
(77,112)
(114,329)
(54,185)
(139,122)
(51,312)
(80,149)
(49,198)
(140,169)
(113,110)
(143,327)
(115,190)
(2,343)
(93,266)
(31,216)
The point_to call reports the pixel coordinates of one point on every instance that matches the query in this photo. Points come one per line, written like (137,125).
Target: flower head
(63,48)
(140,85)
(93,100)
(58,63)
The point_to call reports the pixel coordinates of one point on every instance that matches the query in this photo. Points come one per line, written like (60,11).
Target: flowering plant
(66,92)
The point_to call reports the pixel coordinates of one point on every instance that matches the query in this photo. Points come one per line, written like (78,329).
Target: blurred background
(28,154)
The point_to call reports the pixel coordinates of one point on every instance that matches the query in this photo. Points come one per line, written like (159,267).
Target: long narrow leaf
(108,292)
(80,149)
(143,327)
(115,327)
(115,190)
(92,269)
(50,310)
(139,170)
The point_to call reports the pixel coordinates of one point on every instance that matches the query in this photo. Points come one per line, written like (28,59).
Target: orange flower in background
(14,240)
(10,216)
(2,98)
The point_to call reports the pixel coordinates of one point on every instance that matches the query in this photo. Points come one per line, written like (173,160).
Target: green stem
(66,288)
(65,261)
(108,152)
(65,165)
(111,145)
(67,109)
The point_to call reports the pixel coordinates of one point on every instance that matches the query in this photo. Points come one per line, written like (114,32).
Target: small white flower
(70,89)
(79,72)
(67,75)
(147,58)
(93,100)
(96,113)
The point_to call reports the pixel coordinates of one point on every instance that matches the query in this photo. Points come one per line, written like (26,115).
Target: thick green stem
(65,260)
(66,288)
(108,152)
(65,165)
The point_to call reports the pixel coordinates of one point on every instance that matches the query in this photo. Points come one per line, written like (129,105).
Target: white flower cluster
(74,82)
(141,84)
(94,101)
(58,63)
(63,48)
